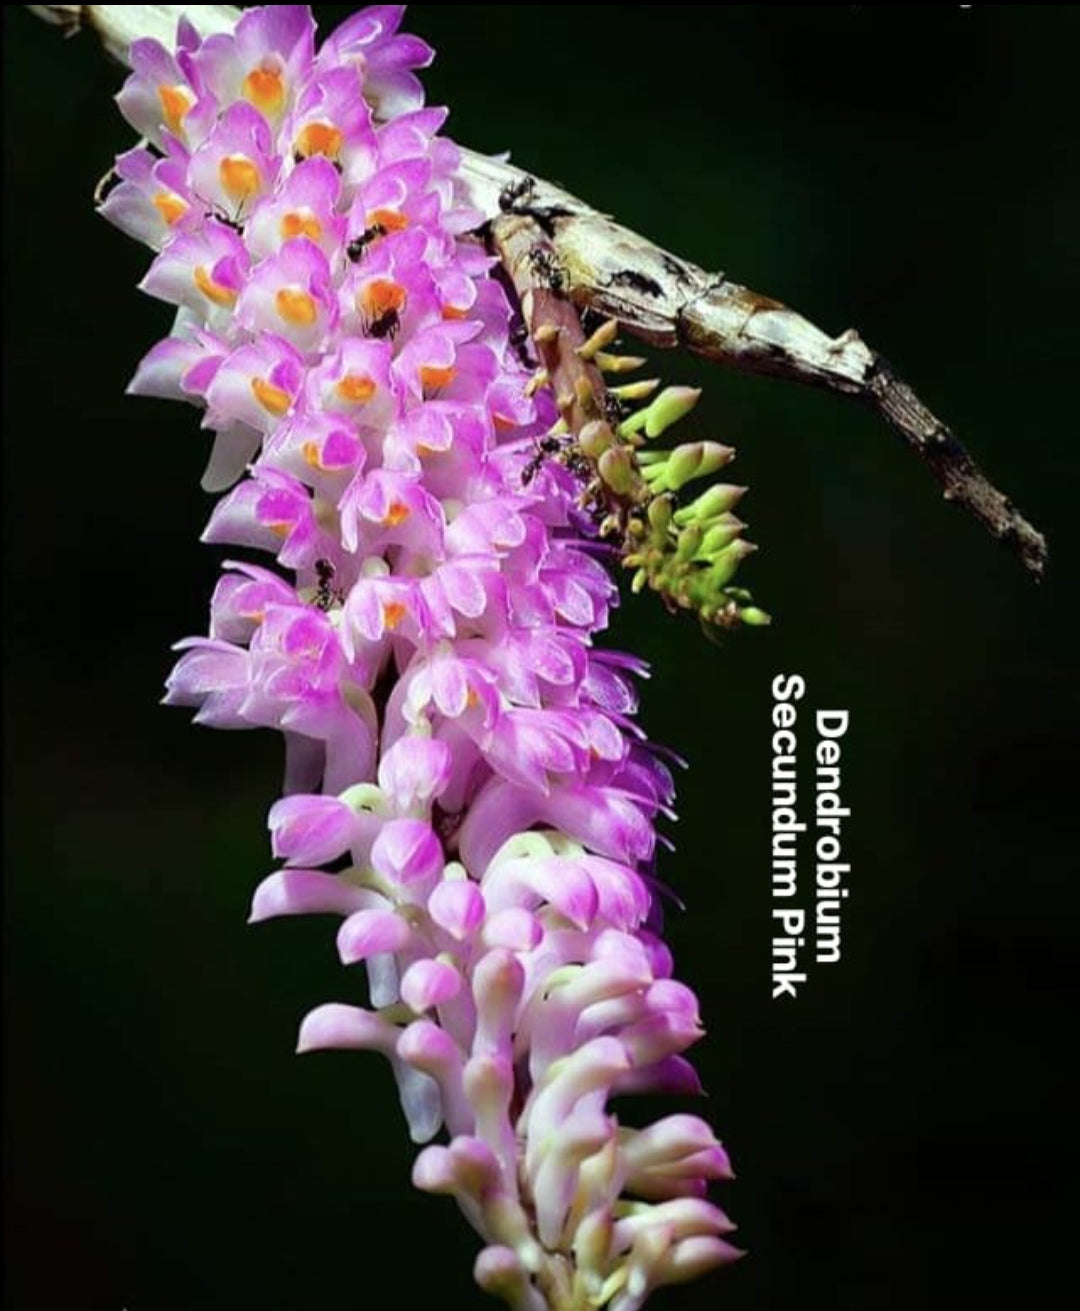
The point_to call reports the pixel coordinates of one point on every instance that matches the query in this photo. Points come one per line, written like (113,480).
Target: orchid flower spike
(458,750)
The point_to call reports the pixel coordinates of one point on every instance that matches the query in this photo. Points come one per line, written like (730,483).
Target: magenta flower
(456,746)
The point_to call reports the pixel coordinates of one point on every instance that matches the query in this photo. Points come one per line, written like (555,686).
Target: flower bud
(715,500)
(616,468)
(669,407)
(595,438)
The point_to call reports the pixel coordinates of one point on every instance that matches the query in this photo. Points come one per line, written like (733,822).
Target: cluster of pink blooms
(457,749)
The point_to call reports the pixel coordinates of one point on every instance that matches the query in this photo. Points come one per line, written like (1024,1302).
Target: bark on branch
(661,298)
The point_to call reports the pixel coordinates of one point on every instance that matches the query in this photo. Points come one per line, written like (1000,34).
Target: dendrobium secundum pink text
(457,748)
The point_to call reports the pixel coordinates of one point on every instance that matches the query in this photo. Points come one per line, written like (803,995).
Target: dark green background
(901,1132)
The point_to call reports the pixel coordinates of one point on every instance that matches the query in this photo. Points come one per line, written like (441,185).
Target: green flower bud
(721,534)
(669,407)
(604,335)
(616,468)
(692,460)
(718,499)
(754,617)
(618,363)
(661,509)
(723,568)
(595,438)
(636,391)
(689,543)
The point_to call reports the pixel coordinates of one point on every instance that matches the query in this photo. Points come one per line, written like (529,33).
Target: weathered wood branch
(661,298)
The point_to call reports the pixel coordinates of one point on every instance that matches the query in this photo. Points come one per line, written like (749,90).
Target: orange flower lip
(239,176)
(433,376)
(175,103)
(356,388)
(380,296)
(265,89)
(213,291)
(393,613)
(300,223)
(171,208)
(319,139)
(392,220)
(273,399)
(295,306)
(396,514)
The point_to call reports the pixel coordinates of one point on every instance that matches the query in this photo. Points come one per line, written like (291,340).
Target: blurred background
(900,1132)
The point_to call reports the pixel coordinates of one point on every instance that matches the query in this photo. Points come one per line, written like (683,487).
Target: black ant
(355,249)
(326,594)
(519,339)
(578,463)
(216,212)
(519,191)
(299,158)
(544,447)
(233,223)
(546,267)
(615,411)
(384,326)
(519,197)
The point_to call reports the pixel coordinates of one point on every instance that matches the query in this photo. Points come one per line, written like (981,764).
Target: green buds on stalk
(688,554)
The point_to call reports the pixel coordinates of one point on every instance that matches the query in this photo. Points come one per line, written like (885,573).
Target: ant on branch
(545,266)
(516,193)
(519,197)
